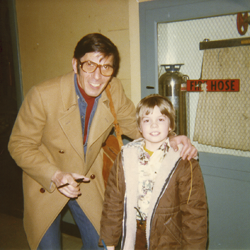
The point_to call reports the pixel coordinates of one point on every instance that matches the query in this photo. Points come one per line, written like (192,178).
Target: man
(57,139)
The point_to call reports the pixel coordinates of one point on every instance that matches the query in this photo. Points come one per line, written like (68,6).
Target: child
(154,199)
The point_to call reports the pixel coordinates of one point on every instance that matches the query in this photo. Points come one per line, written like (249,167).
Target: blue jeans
(52,238)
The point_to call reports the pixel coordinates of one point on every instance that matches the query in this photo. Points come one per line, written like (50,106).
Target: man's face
(93,83)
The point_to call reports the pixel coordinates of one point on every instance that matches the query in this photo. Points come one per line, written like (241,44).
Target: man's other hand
(188,151)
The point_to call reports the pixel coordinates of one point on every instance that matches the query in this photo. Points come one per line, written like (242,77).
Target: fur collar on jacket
(130,154)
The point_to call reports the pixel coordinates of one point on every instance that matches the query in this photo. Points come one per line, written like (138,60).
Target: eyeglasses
(90,67)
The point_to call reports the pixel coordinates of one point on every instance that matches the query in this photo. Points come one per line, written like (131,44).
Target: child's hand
(110,247)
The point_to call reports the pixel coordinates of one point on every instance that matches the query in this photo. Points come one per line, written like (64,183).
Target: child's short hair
(147,104)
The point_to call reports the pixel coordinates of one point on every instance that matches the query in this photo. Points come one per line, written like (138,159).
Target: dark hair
(147,104)
(96,42)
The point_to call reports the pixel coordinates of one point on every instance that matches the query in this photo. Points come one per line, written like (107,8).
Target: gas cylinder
(173,85)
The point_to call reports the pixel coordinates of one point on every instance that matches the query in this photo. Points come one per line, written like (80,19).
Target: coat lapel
(101,126)
(70,121)
(69,124)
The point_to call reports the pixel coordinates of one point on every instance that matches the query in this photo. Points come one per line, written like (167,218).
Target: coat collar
(70,121)
(67,89)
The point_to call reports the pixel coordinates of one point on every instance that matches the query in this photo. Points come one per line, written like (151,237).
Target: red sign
(214,85)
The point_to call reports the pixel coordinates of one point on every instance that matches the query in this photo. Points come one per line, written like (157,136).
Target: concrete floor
(12,235)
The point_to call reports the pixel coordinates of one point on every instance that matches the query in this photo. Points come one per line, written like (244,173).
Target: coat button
(61,151)
(42,190)
(92,176)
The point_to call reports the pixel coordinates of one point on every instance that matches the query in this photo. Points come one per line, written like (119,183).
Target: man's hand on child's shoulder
(188,151)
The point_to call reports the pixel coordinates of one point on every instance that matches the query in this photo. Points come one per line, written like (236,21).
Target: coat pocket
(166,229)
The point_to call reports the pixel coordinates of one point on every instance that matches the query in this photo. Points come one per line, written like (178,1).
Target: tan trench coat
(47,136)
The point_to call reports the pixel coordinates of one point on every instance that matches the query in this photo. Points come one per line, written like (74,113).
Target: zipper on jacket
(124,221)
(159,198)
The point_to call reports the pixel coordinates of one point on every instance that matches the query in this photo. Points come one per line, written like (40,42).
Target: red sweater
(90,103)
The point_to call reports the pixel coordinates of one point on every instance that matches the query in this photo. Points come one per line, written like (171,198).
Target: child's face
(154,128)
